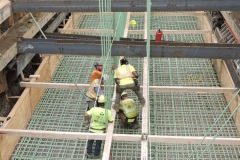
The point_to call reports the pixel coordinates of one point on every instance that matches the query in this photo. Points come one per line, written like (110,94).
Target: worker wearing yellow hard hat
(97,118)
(128,112)
(132,24)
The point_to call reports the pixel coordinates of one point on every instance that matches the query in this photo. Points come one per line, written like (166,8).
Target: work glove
(135,81)
(117,81)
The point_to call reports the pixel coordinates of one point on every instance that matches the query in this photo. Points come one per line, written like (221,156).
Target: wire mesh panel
(49,149)
(126,150)
(179,114)
(174,23)
(183,152)
(182,72)
(59,110)
(188,114)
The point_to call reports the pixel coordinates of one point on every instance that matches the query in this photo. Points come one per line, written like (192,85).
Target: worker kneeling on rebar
(97,118)
(128,112)
(126,78)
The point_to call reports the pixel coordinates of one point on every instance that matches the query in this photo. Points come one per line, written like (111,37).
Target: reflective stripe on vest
(126,74)
(91,93)
(132,107)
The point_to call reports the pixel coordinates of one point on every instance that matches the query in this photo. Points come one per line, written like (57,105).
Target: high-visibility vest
(129,108)
(91,93)
(123,72)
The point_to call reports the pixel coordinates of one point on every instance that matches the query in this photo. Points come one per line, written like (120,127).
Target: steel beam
(126,6)
(131,48)
(24,60)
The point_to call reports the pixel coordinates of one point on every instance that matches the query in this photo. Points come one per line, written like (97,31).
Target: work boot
(89,155)
(135,126)
(97,157)
(123,125)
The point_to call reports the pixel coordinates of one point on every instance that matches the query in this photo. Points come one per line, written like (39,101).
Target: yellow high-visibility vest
(123,72)
(129,108)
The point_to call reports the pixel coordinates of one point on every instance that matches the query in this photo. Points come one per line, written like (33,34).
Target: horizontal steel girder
(131,48)
(126,6)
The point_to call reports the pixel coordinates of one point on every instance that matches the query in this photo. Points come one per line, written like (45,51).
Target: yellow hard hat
(132,22)
(123,93)
(101,99)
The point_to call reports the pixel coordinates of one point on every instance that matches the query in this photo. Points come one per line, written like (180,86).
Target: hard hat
(101,99)
(98,64)
(124,61)
(132,22)
(123,93)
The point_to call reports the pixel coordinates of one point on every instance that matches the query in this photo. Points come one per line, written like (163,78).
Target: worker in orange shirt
(97,73)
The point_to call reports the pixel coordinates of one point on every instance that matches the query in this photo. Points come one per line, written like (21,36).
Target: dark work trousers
(97,147)
(135,88)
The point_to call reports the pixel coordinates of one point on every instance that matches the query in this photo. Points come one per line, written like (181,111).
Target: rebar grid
(60,110)
(174,23)
(171,113)
(126,150)
(49,149)
(188,114)
(183,151)
(192,38)
(182,72)
(87,22)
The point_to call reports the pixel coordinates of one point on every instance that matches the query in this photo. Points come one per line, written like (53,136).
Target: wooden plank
(127,25)
(53,134)
(5,10)
(144,142)
(192,89)
(109,134)
(2,118)
(69,31)
(204,23)
(21,113)
(151,88)
(109,137)
(193,140)
(119,137)
(11,52)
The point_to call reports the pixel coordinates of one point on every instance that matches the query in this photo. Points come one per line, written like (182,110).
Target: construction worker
(128,112)
(123,76)
(97,73)
(94,91)
(97,118)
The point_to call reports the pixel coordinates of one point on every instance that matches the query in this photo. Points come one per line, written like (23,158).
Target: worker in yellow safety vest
(97,117)
(94,91)
(126,78)
(128,112)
